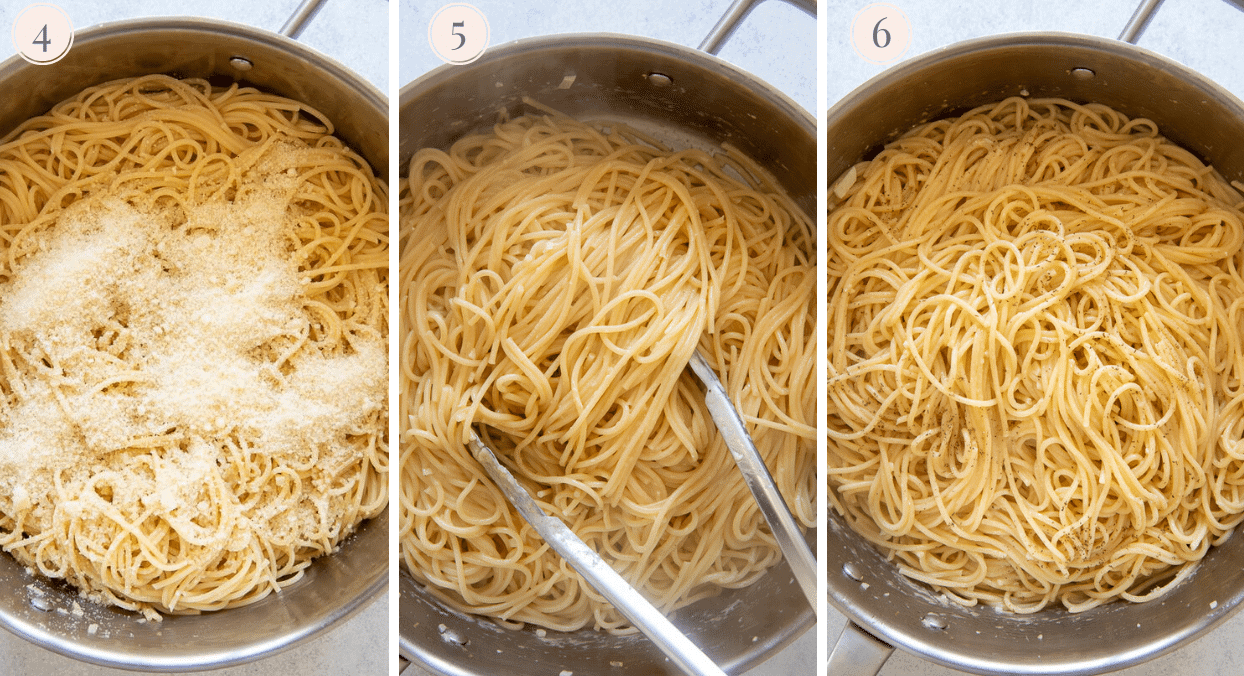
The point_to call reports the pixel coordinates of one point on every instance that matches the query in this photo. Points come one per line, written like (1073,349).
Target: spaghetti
(193,308)
(1034,355)
(556,278)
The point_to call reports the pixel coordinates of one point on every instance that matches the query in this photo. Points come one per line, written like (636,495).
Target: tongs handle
(604,579)
(759,481)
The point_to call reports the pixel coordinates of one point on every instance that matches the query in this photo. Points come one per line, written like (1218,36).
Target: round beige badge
(881,33)
(458,33)
(42,34)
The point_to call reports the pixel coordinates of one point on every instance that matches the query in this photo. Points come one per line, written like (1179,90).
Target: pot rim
(410,91)
(127,28)
(888,77)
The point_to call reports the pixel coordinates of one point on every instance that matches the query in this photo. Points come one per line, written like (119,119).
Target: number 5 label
(458,33)
(42,34)
(881,33)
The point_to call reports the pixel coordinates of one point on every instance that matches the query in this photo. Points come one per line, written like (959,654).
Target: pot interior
(687,97)
(1190,111)
(699,102)
(210,49)
(334,587)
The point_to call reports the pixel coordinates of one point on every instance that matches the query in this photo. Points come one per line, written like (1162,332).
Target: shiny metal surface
(645,616)
(300,18)
(858,653)
(335,587)
(756,475)
(1191,111)
(1139,21)
(203,48)
(707,103)
(737,12)
(707,99)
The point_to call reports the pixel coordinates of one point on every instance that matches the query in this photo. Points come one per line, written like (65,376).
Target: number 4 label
(458,33)
(42,34)
(42,39)
(881,33)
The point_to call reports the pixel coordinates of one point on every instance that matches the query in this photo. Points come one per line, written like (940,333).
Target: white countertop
(1202,34)
(355,33)
(777,43)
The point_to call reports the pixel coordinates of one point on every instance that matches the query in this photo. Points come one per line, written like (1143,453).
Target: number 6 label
(42,34)
(881,33)
(458,33)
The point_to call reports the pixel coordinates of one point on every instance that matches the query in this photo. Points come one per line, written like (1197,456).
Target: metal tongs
(794,548)
(612,586)
(604,579)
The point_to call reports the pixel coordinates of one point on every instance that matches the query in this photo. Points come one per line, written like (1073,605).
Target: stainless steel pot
(686,98)
(1191,111)
(335,587)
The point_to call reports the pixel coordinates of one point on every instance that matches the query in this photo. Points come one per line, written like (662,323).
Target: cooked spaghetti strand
(556,278)
(193,371)
(1035,360)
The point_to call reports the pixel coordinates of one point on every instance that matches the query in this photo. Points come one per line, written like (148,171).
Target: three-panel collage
(517,338)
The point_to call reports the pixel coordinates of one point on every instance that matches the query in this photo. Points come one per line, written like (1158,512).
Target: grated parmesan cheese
(177,327)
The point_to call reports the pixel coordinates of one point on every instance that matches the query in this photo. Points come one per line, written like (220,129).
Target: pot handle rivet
(659,80)
(241,64)
(850,570)
(1083,73)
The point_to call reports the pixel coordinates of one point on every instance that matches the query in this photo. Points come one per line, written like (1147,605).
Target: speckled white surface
(776,43)
(355,33)
(1204,35)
